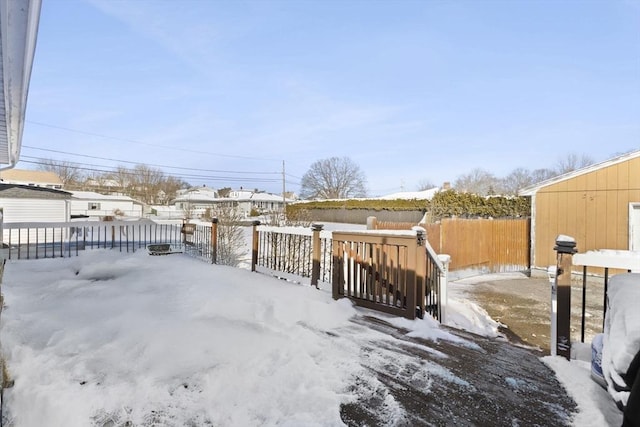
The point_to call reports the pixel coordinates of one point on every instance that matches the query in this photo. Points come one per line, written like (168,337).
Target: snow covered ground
(107,338)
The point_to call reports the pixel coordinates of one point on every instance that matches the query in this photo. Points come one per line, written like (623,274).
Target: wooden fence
(494,245)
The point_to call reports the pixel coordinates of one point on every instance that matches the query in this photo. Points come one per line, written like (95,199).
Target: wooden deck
(486,382)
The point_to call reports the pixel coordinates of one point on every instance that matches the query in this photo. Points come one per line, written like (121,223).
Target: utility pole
(284,196)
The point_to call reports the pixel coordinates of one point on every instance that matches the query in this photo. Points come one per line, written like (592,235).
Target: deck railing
(390,272)
(33,240)
(394,272)
(292,252)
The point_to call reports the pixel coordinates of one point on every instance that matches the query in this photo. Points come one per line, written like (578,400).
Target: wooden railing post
(337,287)
(565,248)
(421,272)
(372,223)
(317,252)
(214,240)
(412,277)
(255,245)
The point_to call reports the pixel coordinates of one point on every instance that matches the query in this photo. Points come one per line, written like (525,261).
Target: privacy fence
(493,245)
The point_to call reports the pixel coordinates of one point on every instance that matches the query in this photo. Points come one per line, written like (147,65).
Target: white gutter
(19,21)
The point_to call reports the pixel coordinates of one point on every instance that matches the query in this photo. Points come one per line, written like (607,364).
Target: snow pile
(622,331)
(170,340)
(109,339)
(412,195)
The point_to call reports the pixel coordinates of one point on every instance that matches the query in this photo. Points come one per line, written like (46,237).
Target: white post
(551,272)
(444,277)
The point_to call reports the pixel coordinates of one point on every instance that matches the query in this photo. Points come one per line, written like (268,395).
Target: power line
(183,176)
(132,141)
(147,164)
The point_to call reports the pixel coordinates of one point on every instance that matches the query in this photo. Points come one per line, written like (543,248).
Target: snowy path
(470,381)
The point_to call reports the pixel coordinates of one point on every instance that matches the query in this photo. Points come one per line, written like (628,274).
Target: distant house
(103,185)
(197,200)
(31,178)
(27,204)
(598,205)
(87,204)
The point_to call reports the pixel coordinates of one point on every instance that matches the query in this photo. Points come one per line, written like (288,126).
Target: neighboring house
(197,200)
(94,205)
(262,203)
(599,206)
(103,185)
(21,203)
(31,178)
(19,21)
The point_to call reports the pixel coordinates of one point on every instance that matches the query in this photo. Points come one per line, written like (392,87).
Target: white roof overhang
(18,32)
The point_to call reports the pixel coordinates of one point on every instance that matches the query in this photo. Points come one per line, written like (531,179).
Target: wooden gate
(380,271)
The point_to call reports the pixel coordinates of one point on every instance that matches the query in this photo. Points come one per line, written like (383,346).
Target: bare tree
(478,181)
(68,172)
(571,162)
(146,183)
(333,178)
(231,244)
(519,178)
(540,175)
(224,192)
(169,189)
(122,177)
(425,184)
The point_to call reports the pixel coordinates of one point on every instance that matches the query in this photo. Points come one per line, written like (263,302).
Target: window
(94,206)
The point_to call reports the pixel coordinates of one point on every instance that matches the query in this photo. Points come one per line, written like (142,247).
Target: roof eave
(532,190)
(19,21)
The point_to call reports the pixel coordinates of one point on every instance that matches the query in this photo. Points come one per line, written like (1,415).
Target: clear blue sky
(409,90)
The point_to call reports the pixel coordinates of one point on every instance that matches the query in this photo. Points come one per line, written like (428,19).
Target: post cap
(317,227)
(565,245)
(255,222)
(214,220)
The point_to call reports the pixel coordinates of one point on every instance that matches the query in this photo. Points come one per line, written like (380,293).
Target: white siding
(32,210)
(107,208)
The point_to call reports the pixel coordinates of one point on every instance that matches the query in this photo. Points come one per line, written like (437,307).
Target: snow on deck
(109,339)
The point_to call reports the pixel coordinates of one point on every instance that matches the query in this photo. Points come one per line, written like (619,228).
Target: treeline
(444,204)
(141,182)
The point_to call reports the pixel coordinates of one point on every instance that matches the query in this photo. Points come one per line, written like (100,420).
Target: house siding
(31,210)
(107,208)
(593,208)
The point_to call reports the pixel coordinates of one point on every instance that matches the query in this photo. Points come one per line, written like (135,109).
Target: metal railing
(301,253)
(32,240)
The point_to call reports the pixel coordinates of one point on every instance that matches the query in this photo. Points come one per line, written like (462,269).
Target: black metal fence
(293,253)
(65,239)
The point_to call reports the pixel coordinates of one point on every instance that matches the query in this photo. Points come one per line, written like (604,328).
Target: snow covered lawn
(109,338)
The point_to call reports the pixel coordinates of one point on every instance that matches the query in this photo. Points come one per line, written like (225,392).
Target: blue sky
(409,90)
